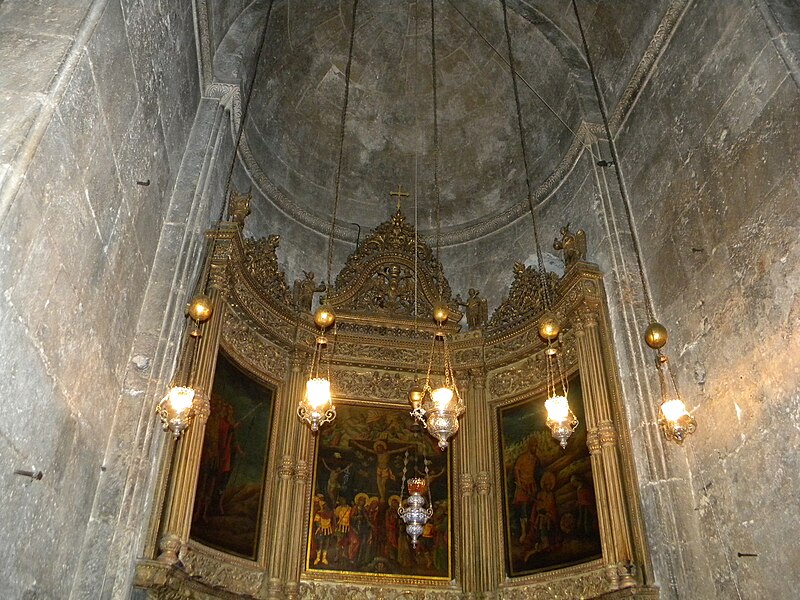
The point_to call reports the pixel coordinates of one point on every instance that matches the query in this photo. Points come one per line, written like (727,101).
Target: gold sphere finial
(440,314)
(549,326)
(656,335)
(200,308)
(324,317)
(415,395)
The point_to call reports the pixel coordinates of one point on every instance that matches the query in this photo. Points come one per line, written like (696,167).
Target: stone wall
(99,98)
(710,155)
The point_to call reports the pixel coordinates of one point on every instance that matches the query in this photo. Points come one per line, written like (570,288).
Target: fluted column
(602,441)
(186,457)
(298,438)
(278,566)
(484,514)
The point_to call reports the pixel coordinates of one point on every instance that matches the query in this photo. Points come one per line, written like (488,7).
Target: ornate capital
(606,433)
(467,484)
(202,406)
(593,441)
(301,471)
(483,483)
(286,468)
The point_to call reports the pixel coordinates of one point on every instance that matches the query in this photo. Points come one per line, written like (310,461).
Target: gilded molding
(585,585)
(386,386)
(250,347)
(316,590)
(212,571)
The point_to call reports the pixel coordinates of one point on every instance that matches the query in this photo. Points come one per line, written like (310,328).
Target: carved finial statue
(572,246)
(239,206)
(477,309)
(304,289)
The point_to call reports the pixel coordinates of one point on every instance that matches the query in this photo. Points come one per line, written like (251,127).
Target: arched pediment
(379,277)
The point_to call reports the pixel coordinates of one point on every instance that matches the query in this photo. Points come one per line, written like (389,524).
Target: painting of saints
(550,511)
(361,461)
(230,487)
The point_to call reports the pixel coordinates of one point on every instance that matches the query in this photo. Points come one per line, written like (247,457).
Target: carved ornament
(371,385)
(588,585)
(220,572)
(526,298)
(315,590)
(378,278)
(251,349)
(261,262)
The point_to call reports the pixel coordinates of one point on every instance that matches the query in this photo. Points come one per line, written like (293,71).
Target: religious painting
(230,486)
(550,512)
(360,463)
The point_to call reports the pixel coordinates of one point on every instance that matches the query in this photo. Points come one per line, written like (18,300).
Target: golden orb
(549,327)
(200,308)
(324,317)
(415,396)
(656,335)
(440,314)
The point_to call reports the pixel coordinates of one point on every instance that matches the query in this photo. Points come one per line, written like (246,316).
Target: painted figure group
(367,535)
(545,514)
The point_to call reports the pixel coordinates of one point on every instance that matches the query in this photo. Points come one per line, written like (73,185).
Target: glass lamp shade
(560,419)
(675,421)
(442,397)
(176,409)
(318,392)
(317,407)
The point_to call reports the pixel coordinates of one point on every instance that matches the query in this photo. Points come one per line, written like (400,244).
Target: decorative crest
(525,298)
(262,264)
(379,276)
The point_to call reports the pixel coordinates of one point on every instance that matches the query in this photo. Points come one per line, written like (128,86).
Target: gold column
(298,437)
(185,466)
(468,559)
(602,441)
(278,567)
(484,512)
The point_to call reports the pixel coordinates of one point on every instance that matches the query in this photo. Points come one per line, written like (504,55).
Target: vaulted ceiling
(293,126)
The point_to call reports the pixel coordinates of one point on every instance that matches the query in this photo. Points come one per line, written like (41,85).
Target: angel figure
(572,246)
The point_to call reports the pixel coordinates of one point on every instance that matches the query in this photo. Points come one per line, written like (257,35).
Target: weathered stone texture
(78,239)
(710,152)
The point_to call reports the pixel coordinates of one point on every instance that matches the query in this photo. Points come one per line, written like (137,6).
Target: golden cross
(400,195)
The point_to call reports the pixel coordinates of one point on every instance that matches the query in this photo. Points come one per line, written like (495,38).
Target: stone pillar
(602,441)
(185,463)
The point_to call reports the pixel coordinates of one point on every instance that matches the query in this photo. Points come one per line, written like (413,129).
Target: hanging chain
(648,300)
(524,147)
(440,275)
(342,124)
